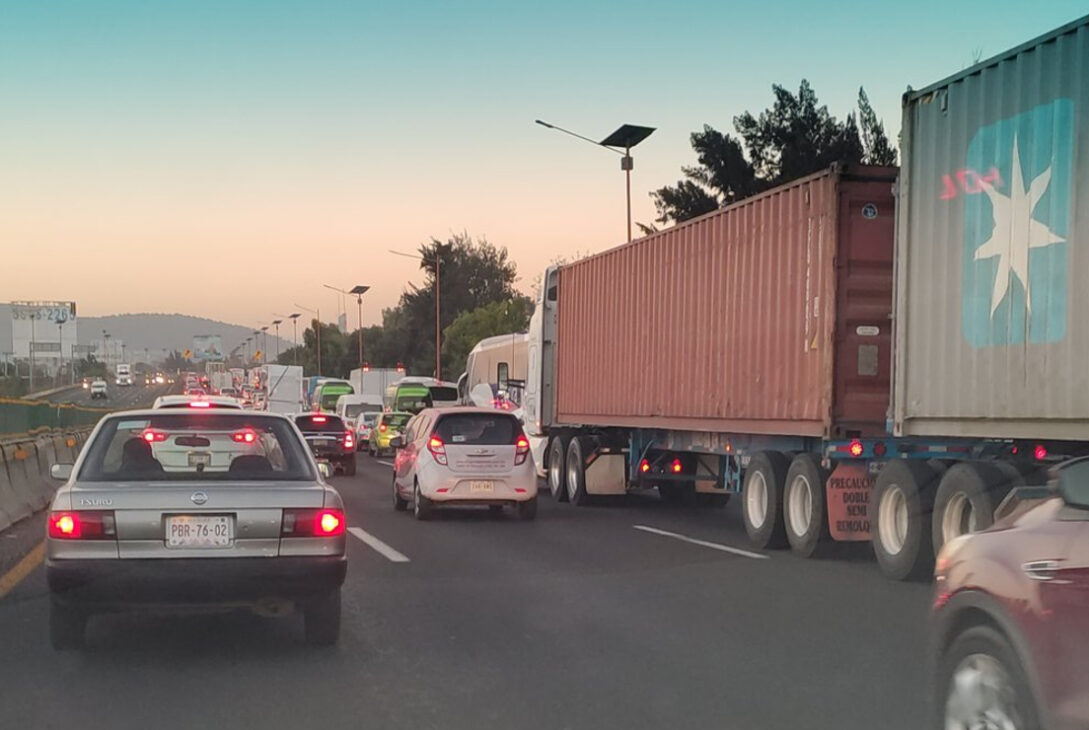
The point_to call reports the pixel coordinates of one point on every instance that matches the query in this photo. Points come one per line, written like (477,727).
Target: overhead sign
(55,312)
(207,347)
(44,328)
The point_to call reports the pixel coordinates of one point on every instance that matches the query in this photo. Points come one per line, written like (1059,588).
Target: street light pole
(626,137)
(276,324)
(359,290)
(317,332)
(438,327)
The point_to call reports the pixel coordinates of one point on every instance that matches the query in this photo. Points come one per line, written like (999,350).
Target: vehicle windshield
(413,402)
(330,396)
(195,447)
(353,410)
(443,393)
(395,422)
(477,429)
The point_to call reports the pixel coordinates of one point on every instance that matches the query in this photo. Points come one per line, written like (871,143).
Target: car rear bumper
(128,582)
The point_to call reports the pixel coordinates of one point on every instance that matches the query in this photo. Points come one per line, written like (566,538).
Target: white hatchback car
(464,456)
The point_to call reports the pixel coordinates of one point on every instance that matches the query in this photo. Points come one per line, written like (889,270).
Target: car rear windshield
(477,429)
(443,393)
(186,446)
(319,422)
(397,420)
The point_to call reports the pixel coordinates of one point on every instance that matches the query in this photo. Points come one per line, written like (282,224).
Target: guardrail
(22,416)
(25,484)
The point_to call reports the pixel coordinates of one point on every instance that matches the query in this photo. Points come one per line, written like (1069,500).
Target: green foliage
(89,367)
(497,318)
(797,136)
(175,362)
(472,274)
(12,386)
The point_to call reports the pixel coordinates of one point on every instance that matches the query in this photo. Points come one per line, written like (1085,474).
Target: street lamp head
(544,124)
(277,322)
(296,315)
(358,290)
(627,136)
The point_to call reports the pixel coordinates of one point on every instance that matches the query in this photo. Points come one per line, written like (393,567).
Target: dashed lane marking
(701,543)
(22,569)
(384,463)
(378,546)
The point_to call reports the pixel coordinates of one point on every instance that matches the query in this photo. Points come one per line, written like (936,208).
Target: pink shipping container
(769,316)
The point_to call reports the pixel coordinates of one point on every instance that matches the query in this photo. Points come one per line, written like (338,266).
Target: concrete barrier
(25,484)
(21,498)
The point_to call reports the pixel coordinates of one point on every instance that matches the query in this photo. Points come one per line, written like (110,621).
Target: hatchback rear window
(319,422)
(477,429)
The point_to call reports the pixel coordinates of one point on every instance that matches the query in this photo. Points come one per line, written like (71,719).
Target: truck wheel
(762,498)
(967,497)
(576,472)
(805,514)
(557,451)
(900,514)
(67,626)
(321,619)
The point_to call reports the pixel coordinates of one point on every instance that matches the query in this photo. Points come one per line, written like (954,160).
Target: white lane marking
(379,547)
(702,543)
(384,463)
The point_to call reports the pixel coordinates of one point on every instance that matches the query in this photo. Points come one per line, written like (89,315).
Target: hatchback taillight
(437,449)
(521,450)
(313,523)
(87,525)
(349,441)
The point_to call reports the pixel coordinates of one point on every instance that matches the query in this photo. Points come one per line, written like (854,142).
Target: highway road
(132,396)
(581,619)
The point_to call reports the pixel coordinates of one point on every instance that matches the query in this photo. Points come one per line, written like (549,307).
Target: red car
(1010,626)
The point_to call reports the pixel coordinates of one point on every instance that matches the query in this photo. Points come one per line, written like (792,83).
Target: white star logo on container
(1015,231)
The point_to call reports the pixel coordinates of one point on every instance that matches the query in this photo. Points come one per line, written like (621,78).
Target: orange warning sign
(848,494)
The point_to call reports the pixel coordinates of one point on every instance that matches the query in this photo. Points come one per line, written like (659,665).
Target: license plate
(199,531)
(480,486)
(325,443)
(200,459)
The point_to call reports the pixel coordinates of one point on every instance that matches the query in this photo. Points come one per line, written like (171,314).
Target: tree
(174,361)
(89,367)
(797,136)
(498,318)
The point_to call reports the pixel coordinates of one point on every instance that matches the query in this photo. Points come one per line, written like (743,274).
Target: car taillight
(318,419)
(521,450)
(199,404)
(244,437)
(89,525)
(312,523)
(437,449)
(349,440)
(382,428)
(151,435)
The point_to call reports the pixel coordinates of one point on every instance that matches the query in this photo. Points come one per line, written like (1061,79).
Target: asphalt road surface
(131,396)
(577,620)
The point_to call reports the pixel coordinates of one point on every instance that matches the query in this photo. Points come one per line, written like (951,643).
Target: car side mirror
(1073,483)
(397,442)
(61,472)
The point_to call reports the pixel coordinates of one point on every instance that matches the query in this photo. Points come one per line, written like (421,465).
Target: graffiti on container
(848,494)
(969,182)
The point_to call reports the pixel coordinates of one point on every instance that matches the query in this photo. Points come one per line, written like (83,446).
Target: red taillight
(879,449)
(349,440)
(151,435)
(312,523)
(244,437)
(91,525)
(521,450)
(1040,452)
(644,466)
(438,449)
(319,419)
(199,404)
(855,449)
(676,467)
(382,428)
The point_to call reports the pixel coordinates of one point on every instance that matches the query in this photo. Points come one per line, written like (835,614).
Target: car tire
(422,507)
(984,653)
(762,499)
(968,494)
(321,619)
(527,510)
(67,626)
(901,508)
(805,512)
(399,503)
(348,466)
(575,461)
(557,475)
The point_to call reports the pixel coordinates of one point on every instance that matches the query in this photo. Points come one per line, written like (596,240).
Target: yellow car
(386,427)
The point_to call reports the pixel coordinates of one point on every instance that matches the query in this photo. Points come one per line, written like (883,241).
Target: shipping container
(770,316)
(993,248)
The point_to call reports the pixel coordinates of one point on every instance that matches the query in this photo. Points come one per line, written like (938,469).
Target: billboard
(47,328)
(207,347)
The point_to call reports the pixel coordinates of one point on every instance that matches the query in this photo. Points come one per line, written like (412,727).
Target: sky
(226,158)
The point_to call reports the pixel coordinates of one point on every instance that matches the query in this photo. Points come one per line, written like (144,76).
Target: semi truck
(281,387)
(371,383)
(864,354)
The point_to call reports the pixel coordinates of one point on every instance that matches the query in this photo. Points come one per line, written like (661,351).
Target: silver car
(192,509)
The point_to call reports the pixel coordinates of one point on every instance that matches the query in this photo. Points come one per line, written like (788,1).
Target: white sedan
(464,456)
